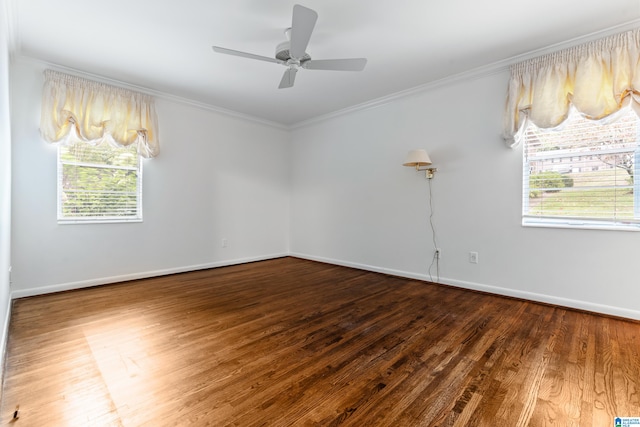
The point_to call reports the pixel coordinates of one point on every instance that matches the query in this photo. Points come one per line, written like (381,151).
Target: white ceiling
(165,46)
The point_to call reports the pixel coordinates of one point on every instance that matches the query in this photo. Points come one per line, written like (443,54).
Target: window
(102,131)
(99,183)
(582,174)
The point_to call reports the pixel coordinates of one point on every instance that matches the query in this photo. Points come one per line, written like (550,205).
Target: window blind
(99,183)
(583,173)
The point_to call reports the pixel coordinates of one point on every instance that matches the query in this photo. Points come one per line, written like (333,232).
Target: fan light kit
(292,53)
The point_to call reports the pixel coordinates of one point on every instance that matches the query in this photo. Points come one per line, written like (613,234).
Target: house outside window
(586,174)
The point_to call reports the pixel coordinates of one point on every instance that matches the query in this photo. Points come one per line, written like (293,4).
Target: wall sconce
(419,158)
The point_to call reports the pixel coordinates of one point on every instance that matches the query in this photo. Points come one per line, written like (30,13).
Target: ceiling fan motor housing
(283,54)
(303,22)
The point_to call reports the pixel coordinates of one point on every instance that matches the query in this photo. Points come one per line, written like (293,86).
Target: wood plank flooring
(290,342)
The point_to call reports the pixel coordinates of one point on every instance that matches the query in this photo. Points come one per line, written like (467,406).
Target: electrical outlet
(438,253)
(473,257)
(224,243)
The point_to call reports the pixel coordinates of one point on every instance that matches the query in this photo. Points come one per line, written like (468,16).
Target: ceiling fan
(292,53)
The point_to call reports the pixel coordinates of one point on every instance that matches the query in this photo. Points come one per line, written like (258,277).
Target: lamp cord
(435,260)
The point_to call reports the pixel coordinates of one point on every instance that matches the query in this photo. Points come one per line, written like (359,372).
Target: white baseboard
(135,276)
(530,296)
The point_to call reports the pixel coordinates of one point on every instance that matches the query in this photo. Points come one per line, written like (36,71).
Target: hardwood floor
(294,342)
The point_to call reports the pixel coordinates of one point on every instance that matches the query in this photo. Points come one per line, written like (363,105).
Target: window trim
(96,220)
(571,223)
(541,221)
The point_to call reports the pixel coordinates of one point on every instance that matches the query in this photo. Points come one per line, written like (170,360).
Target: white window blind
(99,183)
(583,174)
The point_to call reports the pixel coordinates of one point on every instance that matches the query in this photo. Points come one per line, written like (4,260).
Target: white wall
(5,184)
(216,177)
(341,182)
(354,204)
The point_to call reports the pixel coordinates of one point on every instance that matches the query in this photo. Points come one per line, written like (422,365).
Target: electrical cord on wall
(436,252)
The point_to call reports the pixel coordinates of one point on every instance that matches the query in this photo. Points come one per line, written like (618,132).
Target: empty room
(307,213)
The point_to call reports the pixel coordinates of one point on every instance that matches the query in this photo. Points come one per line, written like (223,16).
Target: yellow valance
(596,78)
(93,111)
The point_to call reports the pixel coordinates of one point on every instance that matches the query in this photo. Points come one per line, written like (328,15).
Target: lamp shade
(417,158)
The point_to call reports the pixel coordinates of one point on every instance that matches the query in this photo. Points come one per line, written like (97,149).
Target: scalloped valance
(92,111)
(596,78)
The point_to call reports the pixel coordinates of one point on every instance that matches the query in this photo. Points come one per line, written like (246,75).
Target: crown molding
(11,9)
(476,73)
(148,91)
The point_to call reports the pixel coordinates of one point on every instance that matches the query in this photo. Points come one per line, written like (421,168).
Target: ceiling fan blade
(304,19)
(351,64)
(245,55)
(288,78)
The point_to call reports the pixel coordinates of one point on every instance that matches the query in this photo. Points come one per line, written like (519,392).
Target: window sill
(580,224)
(97,221)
